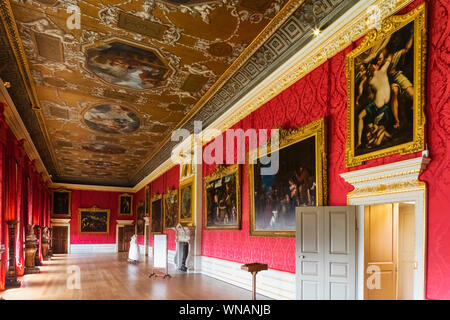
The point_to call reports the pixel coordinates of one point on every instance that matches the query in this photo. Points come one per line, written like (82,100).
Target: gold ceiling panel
(113,90)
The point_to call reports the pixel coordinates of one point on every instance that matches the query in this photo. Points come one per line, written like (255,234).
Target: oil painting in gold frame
(125,204)
(147,201)
(93,220)
(156,212)
(61,203)
(386,90)
(187,196)
(171,208)
(222,196)
(301,179)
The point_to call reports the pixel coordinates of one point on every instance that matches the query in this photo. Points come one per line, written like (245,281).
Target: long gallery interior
(224,149)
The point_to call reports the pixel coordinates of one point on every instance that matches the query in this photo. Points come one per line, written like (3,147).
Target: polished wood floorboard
(108,276)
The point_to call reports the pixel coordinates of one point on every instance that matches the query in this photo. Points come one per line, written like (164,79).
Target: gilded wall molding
(402,176)
(19,130)
(15,42)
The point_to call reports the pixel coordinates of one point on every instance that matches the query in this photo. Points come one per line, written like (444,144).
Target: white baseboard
(89,248)
(271,283)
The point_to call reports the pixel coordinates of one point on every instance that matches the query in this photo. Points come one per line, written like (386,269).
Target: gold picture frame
(90,216)
(155,226)
(167,196)
(233,173)
(410,134)
(147,200)
(312,135)
(66,196)
(185,185)
(125,207)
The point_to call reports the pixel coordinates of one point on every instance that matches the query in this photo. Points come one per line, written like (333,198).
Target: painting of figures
(140,222)
(61,203)
(298,180)
(111,118)
(157,214)
(127,66)
(186,202)
(93,220)
(171,209)
(385,107)
(222,198)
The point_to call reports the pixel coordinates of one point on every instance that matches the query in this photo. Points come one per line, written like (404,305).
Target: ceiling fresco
(112,91)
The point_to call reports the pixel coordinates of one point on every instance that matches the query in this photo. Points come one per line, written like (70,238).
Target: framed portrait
(386,90)
(156,214)
(61,203)
(140,222)
(170,209)
(299,179)
(147,201)
(93,220)
(125,204)
(222,196)
(186,211)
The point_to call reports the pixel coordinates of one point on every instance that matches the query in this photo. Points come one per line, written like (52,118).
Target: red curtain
(20,257)
(3,229)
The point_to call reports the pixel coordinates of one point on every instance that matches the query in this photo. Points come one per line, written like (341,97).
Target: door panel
(128,232)
(59,239)
(340,252)
(380,251)
(325,253)
(406,246)
(309,255)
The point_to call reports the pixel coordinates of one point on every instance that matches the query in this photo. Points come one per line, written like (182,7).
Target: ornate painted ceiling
(108,95)
(111,91)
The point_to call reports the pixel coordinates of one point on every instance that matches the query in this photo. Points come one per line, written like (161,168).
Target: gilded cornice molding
(19,130)
(15,42)
(394,177)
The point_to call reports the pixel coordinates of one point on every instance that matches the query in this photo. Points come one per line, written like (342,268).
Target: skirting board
(271,283)
(89,248)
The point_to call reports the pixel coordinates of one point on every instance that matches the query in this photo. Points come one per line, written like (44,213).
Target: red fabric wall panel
(323,93)
(170,179)
(103,200)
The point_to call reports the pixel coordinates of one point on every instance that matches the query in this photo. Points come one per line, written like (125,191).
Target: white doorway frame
(391,183)
(56,222)
(121,224)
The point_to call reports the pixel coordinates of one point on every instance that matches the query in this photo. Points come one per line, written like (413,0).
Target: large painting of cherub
(386,91)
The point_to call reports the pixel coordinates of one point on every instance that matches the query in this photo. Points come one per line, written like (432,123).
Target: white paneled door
(325,253)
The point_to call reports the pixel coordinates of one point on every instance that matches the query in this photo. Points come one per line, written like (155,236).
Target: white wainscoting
(89,248)
(271,283)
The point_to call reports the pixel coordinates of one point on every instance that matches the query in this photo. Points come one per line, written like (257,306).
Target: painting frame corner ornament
(63,199)
(156,198)
(184,218)
(393,58)
(172,193)
(226,200)
(303,180)
(125,204)
(87,218)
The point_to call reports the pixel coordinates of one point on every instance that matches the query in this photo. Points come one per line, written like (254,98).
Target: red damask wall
(103,200)
(322,93)
(169,179)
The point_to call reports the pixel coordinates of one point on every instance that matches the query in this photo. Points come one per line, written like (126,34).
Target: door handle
(302,257)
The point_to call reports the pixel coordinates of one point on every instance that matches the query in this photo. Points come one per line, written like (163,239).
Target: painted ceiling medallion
(103,148)
(220,49)
(127,66)
(111,118)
